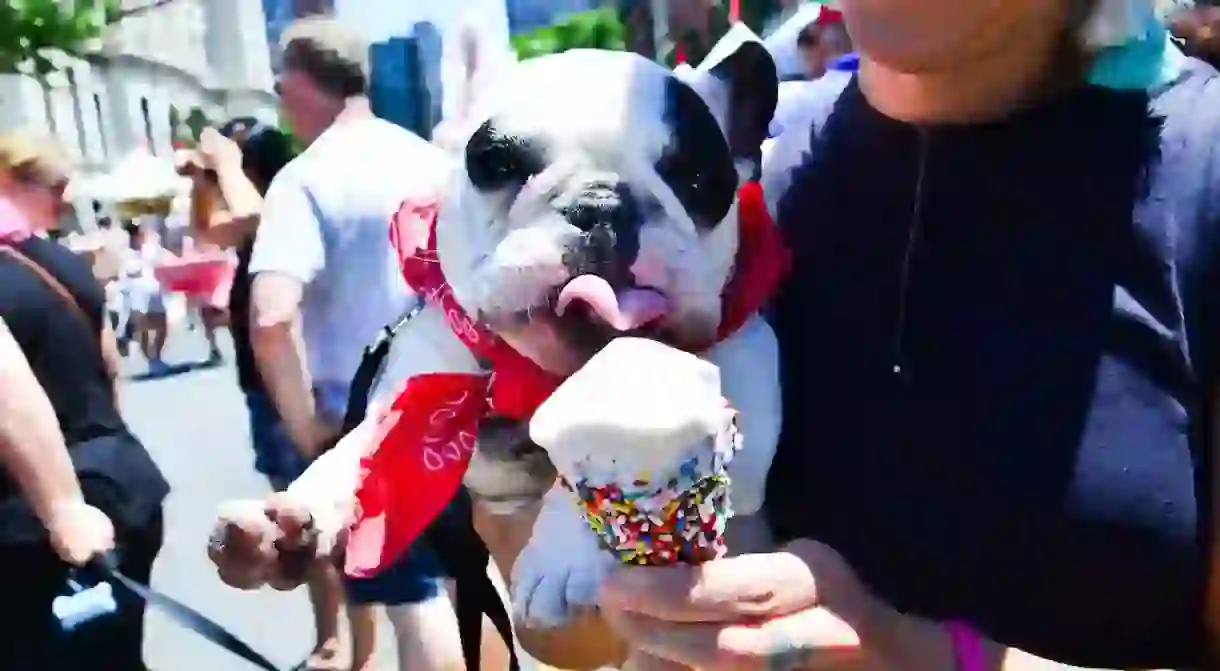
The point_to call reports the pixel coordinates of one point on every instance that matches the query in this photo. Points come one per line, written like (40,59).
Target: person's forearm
(332,479)
(203,201)
(237,220)
(328,487)
(32,445)
(241,197)
(112,358)
(227,232)
(211,221)
(279,352)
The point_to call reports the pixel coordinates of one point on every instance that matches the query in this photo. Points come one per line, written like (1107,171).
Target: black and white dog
(596,195)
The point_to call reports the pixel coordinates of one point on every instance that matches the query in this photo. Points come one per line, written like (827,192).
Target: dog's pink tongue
(625,310)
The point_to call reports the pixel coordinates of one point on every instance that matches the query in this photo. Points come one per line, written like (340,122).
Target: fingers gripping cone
(642,435)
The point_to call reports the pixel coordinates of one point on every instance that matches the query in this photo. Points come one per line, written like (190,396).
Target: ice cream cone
(642,436)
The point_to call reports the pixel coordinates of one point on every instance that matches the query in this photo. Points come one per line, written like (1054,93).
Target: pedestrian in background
(106,250)
(228,183)
(232,171)
(322,258)
(208,297)
(823,42)
(145,295)
(109,246)
(1199,29)
(74,482)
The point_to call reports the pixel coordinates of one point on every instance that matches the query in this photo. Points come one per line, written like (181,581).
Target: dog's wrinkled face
(599,199)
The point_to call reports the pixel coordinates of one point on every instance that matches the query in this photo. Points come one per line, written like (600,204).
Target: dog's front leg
(561,569)
(749,378)
(749,374)
(328,487)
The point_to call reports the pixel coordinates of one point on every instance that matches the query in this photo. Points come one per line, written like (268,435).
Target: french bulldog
(595,197)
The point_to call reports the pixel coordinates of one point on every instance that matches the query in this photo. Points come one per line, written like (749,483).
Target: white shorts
(146,302)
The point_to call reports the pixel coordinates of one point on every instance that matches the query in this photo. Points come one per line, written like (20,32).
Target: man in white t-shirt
(322,258)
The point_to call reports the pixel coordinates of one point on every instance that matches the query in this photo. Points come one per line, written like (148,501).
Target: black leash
(451,537)
(182,614)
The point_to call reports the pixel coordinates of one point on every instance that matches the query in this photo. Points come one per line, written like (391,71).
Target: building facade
(417,65)
(155,73)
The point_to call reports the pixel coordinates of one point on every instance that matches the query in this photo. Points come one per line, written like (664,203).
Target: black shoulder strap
(371,366)
(451,537)
(50,281)
(460,550)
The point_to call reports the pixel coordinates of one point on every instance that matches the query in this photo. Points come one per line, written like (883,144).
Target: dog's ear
(739,82)
(479,61)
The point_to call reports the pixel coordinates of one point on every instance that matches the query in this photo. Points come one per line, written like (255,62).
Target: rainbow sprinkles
(681,519)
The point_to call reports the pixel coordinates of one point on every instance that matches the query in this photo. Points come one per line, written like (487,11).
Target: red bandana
(428,434)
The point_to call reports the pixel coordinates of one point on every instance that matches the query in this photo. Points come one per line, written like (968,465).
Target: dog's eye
(496,160)
(697,165)
(706,188)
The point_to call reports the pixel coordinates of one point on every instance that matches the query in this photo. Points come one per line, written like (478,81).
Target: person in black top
(231,171)
(74,482)
(225,210)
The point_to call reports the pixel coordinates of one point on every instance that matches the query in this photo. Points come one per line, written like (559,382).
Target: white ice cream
(635,411)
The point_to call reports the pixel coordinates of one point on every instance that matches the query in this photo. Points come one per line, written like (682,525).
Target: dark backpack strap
(465,558)
(451,537)
(371,365)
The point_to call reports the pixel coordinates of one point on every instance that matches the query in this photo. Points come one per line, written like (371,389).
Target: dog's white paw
(561,569)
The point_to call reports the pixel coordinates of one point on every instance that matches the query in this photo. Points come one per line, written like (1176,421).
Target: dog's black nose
(603,203)
(609,215)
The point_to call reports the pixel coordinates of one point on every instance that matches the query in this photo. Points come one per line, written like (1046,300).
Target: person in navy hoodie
(999,356)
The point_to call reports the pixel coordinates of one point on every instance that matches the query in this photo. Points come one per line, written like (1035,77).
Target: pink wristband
(967,647)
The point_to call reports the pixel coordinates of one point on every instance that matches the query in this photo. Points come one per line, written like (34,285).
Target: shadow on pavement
(174,370)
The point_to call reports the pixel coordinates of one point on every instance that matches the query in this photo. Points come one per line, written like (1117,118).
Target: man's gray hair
(335,58)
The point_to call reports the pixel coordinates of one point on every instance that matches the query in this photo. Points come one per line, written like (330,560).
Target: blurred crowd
(275,246)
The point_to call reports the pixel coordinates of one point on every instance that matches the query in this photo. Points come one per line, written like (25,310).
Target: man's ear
(739,82)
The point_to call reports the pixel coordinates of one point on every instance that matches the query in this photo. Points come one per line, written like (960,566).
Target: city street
(194,424)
